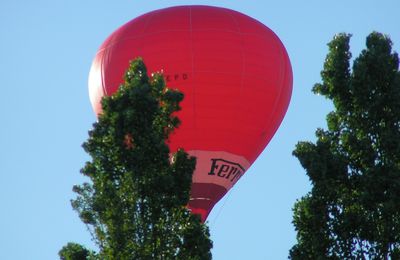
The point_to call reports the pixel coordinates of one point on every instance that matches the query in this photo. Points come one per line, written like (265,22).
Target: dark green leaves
(135,202)
(353,209)
(74,251)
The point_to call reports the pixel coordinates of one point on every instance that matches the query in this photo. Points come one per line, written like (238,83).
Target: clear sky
(46,49)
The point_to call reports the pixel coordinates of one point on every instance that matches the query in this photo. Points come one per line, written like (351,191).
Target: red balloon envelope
(236,77)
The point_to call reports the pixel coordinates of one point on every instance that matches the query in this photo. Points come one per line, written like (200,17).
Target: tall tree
(135,204)
(353,209)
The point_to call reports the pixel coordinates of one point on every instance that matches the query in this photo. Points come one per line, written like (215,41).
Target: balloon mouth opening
(204,196)
(203,213)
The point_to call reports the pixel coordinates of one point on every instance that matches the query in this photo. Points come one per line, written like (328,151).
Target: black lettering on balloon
(176,76)
(226,169)
(223,169)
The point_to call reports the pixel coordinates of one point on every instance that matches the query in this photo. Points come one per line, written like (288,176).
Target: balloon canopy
(236,77)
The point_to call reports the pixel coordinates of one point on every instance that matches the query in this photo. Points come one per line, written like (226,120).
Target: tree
(73,251)
(135,204)
(353,209)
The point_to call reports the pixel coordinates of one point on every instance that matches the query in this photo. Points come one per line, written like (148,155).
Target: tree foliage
(353,209)
(73,251)
(135,204)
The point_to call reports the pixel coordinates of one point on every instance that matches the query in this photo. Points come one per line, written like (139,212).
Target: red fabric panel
(203,198)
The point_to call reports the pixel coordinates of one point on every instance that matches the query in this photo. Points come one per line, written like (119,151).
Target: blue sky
(46,49)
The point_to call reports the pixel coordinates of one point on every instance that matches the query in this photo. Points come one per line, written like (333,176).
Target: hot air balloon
(236,77)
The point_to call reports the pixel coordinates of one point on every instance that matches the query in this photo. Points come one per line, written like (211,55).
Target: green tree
(73,251)
(135,204)
(353,209)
